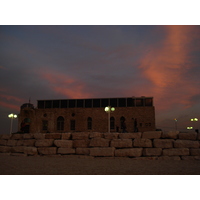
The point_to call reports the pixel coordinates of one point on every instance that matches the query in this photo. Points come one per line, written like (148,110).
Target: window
(48,104)
(60,123)
(130,102)
(139,102)
(149,102)
(122,102)
(40,104)
(80,103)
(72,125)
(56,104)
(89,123)
(88,103)
(113,102)
(96,103)
(64,104)
(72,103)
(104,102)
(44,125)
(112,123)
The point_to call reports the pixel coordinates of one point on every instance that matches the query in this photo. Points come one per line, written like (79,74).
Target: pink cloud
(9,105)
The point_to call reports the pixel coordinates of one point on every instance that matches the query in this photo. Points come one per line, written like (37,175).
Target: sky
(61,62)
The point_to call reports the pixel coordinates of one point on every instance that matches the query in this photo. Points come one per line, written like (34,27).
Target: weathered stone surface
(66,150)
(163,143)
(169,158)
(195,152)
(44,143)
(176,152)
(3,142)
(5,149)
(53,136)
(47,150)
(130,135)
(39,136)
(121,143)
(17,136)
(99,142)
(152,134)
(81,143)
(66,136)
(188,136)
(5,136)
(18,154)
(30,150)
(12,143)
(170,134)
(146,158)
(83,151)
(133,152)
(30,142)
(17,149)
(102,151)
(142,142)
(198,136)
(111,135)
(190,157)
(64,143)
(186,143)
(152,151)
(96,135)
(80,136)
(20,142)
(28,136)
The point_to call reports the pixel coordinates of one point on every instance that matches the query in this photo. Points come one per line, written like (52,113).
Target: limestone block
(163,143)
(30,142)
(195,152)
(81,143)
(64,143)
(3,142)
(152,151)
(142,142)
(198,136)
(66,136)
(170,134)
(152,134)
(5,149)
(188,136)
(20,142)
(83,151)
(30,150)
(96,135)
(47,150)
(66,150)
(17,149)
(18,154)
(53,136)
(132,152)
(146,158)
(121,143)
(28,136)
(5,136)
(111,135)
(39,136)
(186,143)
(102,151)
(12,143)
(17,136)
(176,152)
(44,143)
(99,142)
(169,158)
(80,136)
(130,135)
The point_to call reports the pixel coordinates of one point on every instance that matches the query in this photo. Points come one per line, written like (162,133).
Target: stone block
(54,136)
(5,136)
(20,142)
(142,142)
(30,142)
(18,154)
(132,152)
(47,150)
(198,136)
(152,134)
(39,136)
(188,136)
(186,144)
(5,149)
(121,143)
(83,151)
(99,142)
(64,143)
(152,151)
(44,143)
(80,136)
(195,152)
(17,149)
(96,135)
(102,151)
(170,134)
(169,158)
(81,143)
(17,136)
(176,152)
(163,143)
(130,135)
(146,158)
(66,136)
(111,136)
(30,150)
(28,136)
(12,143)
(3,142)
(66,150)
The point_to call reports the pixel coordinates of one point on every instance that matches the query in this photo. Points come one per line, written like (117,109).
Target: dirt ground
(73,165)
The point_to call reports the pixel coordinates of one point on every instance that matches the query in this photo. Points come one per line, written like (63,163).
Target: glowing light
(189,127)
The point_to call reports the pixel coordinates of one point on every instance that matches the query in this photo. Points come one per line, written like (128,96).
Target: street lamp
(194,120)
(12,116)
(109,109)
(189,127)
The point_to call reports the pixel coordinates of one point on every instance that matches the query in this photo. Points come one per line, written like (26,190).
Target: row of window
(95,103)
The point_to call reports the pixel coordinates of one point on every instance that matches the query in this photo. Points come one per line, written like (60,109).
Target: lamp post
(12,116)
(109,109)
(175,123)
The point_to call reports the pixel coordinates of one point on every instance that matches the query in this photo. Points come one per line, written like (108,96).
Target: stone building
(85,115)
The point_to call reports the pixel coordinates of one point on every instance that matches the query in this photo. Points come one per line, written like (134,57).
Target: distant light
(175,119)
(189,127)
(195,119)
(106,109)
(12,115)
(112,109)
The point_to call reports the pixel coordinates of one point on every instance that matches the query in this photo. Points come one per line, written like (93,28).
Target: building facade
(81,115)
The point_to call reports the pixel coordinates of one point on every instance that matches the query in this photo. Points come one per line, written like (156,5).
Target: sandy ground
(73,165)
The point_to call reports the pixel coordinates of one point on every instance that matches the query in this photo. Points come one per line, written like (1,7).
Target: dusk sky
(61,62)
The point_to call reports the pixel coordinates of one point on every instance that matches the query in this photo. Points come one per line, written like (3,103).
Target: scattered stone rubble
(153,145)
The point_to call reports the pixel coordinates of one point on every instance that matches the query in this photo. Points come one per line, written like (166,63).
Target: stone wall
(154,145)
